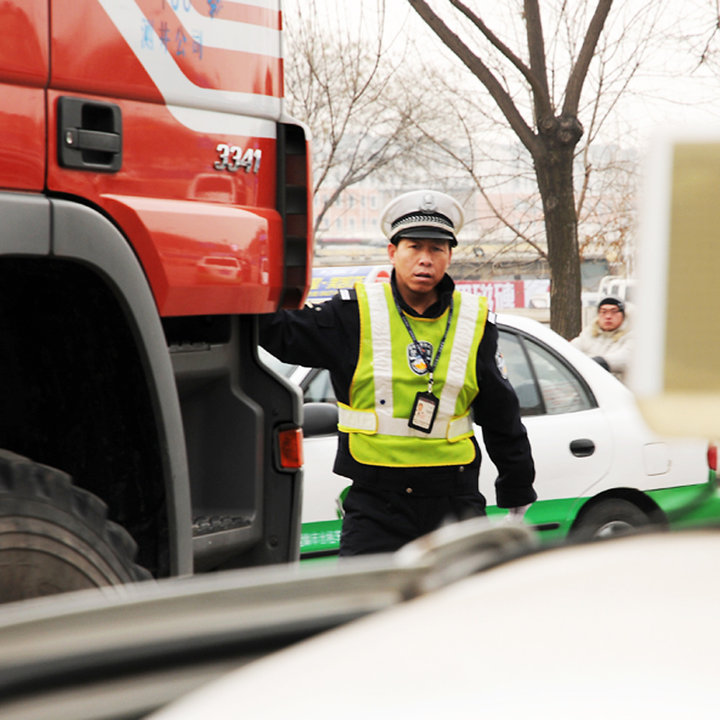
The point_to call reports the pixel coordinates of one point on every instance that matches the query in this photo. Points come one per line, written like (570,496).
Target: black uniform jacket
(328,335)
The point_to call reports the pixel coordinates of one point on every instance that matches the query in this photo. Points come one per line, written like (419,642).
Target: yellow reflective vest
(389,374)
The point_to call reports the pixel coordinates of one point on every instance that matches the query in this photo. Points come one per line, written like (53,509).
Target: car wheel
(55,537)
(610,518)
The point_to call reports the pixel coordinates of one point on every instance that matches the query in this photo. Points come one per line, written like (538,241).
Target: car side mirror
(319,419)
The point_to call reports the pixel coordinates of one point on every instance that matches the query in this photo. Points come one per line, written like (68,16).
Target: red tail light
(290,445)
(712,456)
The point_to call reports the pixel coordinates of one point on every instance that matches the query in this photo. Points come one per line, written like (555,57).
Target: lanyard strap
(431,364)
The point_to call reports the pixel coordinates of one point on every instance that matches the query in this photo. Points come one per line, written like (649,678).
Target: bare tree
(548,126)
(376,110)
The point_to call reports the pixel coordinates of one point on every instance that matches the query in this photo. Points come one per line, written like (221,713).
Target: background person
(608,338)
(410,362)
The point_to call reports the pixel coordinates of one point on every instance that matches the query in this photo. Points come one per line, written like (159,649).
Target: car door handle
(582,447)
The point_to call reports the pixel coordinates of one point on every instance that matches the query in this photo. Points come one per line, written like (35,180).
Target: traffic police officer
(411,363)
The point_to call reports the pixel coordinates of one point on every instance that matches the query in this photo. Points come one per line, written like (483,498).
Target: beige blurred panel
(689,400)
(684,414)
(692,352)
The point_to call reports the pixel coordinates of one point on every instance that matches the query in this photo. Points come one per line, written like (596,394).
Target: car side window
(520,374)
(318,388)
(543,383)
(561,389)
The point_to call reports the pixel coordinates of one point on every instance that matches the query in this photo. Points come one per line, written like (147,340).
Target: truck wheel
(610,518)
(55,537)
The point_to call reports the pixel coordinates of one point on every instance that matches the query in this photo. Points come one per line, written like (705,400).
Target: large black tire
(610,518)
(55,537)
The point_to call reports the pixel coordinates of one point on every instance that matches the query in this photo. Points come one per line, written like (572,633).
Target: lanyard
(431,365)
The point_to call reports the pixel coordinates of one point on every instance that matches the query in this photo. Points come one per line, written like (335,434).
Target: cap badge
(428,203)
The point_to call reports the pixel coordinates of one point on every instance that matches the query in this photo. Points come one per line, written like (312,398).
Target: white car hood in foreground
(622,628)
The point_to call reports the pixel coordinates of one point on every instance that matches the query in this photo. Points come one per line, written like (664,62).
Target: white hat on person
(422,214)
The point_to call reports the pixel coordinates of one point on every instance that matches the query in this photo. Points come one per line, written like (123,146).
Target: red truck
(154,199)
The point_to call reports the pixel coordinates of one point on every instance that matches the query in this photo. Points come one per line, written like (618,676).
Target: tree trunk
(554,170)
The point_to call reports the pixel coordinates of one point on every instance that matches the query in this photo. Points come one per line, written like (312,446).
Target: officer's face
(419,264)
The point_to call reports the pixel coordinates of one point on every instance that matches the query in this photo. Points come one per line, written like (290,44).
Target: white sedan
(600,470)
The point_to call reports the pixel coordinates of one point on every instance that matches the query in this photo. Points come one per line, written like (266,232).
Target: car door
(569,435)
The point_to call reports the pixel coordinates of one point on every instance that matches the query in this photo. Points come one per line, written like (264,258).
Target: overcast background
(673,88)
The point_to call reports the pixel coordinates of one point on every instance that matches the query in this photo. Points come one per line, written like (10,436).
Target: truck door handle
(582,447)
(93,140)
(89,135)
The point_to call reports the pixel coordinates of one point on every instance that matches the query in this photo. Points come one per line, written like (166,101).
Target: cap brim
(420,233)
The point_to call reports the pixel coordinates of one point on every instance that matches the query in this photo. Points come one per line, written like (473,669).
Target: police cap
(422,214)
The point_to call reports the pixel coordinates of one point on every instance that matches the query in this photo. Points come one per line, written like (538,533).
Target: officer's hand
(517,513)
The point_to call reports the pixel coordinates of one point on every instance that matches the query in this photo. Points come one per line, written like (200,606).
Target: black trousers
(379,520)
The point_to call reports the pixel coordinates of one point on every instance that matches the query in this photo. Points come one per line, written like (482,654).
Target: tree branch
(535,82)
(579,71)
(536,48)
(481,71)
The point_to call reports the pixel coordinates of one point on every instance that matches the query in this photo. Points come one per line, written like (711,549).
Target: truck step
(207,524)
